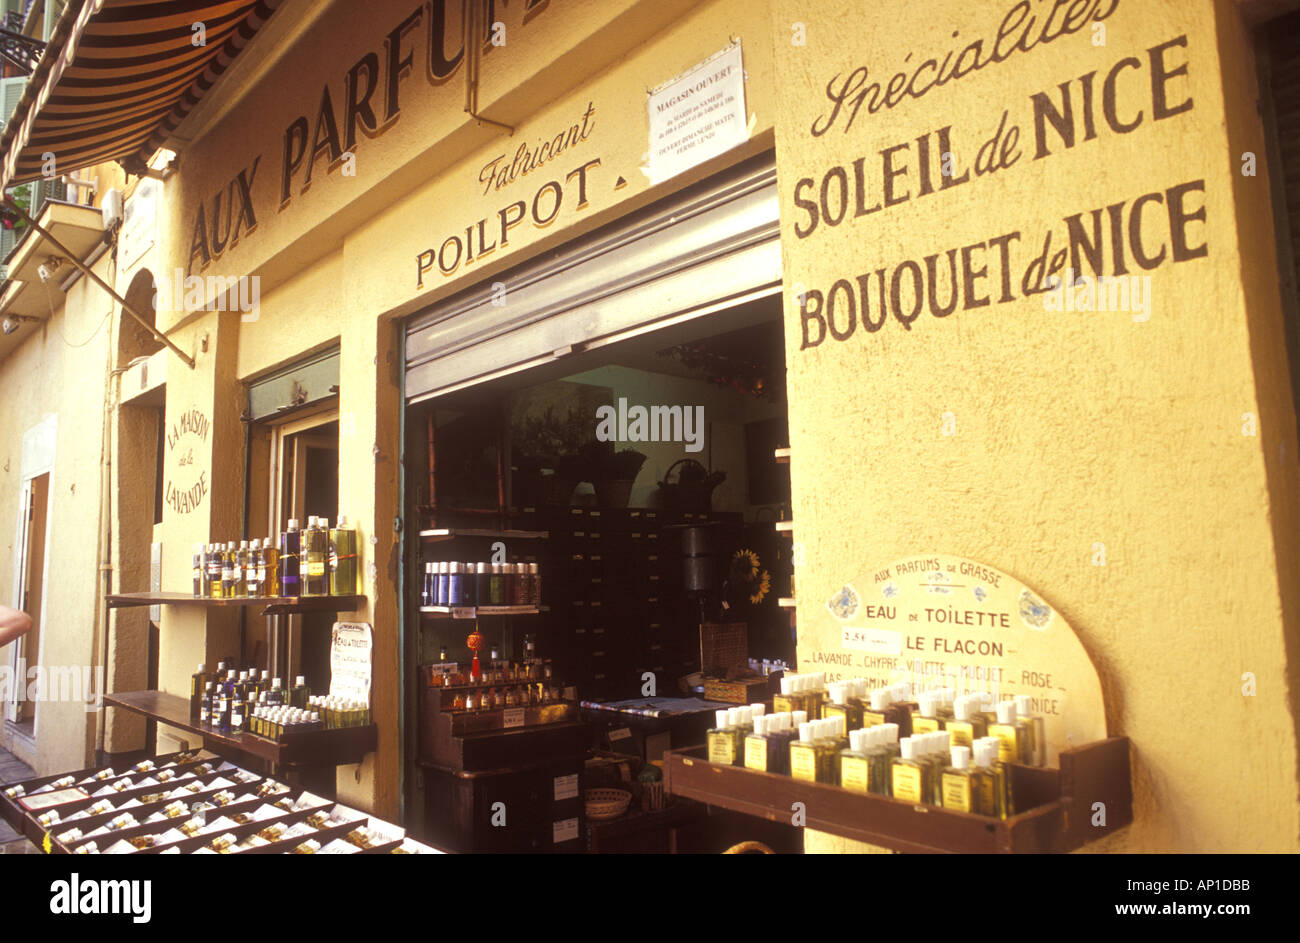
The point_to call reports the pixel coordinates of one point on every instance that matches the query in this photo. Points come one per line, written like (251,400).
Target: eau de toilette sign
(939,621)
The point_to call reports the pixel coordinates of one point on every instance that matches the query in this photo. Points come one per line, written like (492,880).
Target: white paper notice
(565,830)
(566,787)
(350,648)
(698,115)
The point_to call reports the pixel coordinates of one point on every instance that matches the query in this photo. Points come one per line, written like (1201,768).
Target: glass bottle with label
(1034,753)
(239,569)
(213,563)
(343,559)
(879,706)
(994,783)
(958,788)
(840,706)
(290,551)
(967,725)
(315,556)
(228,571)
(300,694)
(252,568)
(855,765)
(803,754)
(911,776)
(923,719)
(880,758)
(723,739)
(198,571)
(198,686)
(1012,733)
(270,568)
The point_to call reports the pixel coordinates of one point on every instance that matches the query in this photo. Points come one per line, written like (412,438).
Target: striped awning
(118,76)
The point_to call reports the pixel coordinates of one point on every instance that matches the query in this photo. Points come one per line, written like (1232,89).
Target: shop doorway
(306,484)
(31,556)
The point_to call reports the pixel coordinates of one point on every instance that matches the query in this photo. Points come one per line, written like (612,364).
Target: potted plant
(615,476)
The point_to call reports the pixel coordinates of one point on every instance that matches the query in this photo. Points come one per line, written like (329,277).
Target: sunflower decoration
(748,576)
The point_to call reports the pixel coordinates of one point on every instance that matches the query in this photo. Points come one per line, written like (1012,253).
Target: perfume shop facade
(907,188)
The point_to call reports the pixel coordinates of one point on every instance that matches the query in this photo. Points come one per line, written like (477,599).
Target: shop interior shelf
(308,748)
(1060,804)
(451,533)
(273,605)
(473,612)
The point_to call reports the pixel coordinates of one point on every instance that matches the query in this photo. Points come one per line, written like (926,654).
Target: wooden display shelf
(435,534)
(1059,815)
(307,748)
(275,605)
(473,612)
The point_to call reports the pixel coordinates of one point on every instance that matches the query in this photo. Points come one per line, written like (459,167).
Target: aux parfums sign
(367,97)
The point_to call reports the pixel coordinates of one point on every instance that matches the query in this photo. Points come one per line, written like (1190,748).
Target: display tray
(305,748)
(243,786)
(1060,804)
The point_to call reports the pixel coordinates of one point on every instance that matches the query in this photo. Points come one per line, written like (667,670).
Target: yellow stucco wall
(1026,438)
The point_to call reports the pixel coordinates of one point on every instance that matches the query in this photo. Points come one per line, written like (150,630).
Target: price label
(622,733)
(513,717)
(566,787)
(462,612)
(565,830)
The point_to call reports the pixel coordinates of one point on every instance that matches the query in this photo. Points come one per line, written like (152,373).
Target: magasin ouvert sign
(369,100)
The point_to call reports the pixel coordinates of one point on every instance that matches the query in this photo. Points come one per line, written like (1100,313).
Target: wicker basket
(607,803)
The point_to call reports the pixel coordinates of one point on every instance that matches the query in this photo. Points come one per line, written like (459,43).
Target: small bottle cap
(838,693)
(534,568)
(960,757)
(760,726)
(806,733)
(926,702)
(908,747)
(343,522)
(798,718)
(879,699)
(1006,712)
(722,717)
(202,668)
(1022,705)
(890,733)
(300,682)
(758,710)
(787,685)
(480,568)
(255,544)
(856,741)
(961,708)
(944,739)
(293,523)
(733,717)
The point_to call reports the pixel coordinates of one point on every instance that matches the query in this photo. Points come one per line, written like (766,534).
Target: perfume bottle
(881,751)
(967,724)
(343,559)
(300,693)
(855,764)
(1011,732)
(290,550)
(958,787)
(198,687)
(238,568)
(789,700)
(722,739)
(269,568)
(198,571)
(205,704)
(879,705)
(925,720)
(803,754)
(940,754)
(315,556)
(840,706)
(757,754)
(995,789)
(783,732)
(228,571)
(213,563)
(911,776)
(252,568)
(815,690)
(1036,752)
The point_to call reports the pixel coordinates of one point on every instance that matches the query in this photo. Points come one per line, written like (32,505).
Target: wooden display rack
(1060,804)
